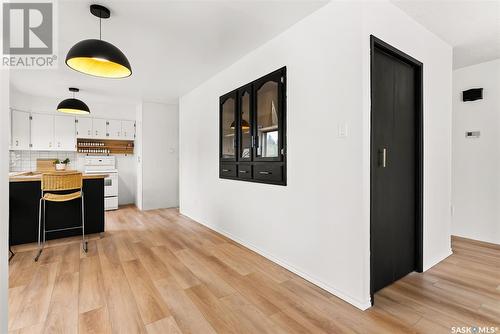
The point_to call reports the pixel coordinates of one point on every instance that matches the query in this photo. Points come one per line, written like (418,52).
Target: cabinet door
(269,104)
(244,120)
(20,130)
(64,133)
(84,127)
(128,130)
(114,129)
(42,132)
(99,128)
(228,127)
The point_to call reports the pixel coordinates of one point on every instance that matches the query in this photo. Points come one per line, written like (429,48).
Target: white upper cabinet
(20,130)
(114,129)
(128,130)
(42,132)
(99,128)
(64,133)
(84,127)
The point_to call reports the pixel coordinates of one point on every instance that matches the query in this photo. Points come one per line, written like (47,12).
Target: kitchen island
(25,193)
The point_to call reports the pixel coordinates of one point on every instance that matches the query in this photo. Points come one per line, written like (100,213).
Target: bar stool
(60,181)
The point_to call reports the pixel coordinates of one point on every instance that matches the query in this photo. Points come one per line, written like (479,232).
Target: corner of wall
(138,147)
(4,197)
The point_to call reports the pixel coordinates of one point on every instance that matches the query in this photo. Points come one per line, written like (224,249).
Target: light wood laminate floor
(160,272)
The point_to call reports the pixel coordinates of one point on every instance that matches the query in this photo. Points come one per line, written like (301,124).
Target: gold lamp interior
(98,67)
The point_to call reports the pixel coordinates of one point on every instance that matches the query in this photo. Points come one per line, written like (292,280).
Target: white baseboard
(362,305)
(437,259)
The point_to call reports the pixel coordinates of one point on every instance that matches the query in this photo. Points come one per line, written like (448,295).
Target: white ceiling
(172,46)
(472,27)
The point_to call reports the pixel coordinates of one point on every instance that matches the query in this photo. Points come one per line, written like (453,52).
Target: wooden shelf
(105,146)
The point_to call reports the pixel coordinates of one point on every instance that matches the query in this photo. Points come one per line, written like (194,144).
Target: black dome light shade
(244,125)
(73,106)
(97,57)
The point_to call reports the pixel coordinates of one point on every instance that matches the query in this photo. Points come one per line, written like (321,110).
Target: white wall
(159,163)
(4,196)
(476,162)
(126,164)
(318,225)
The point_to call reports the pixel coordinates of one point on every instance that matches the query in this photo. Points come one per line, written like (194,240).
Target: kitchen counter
(24,197)
(37,176)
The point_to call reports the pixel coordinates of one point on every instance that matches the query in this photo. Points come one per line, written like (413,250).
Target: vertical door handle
(383,162)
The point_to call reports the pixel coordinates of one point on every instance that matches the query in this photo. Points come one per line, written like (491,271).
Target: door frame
(376,43)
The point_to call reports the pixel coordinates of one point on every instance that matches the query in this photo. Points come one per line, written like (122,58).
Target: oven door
(111,185)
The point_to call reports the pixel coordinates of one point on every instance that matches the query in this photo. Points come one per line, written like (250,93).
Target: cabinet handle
(17,142)
(88,131)
(243,171)
(226,170)
(383,152)
(265,173)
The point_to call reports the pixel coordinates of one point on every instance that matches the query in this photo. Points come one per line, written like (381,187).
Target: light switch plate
(342,130)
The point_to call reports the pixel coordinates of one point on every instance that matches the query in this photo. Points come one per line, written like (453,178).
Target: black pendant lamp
(97,57)
(73,106)
(244,125)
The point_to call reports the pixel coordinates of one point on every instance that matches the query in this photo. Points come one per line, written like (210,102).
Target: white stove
(105,165)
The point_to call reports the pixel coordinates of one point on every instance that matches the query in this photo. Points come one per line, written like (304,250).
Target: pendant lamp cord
(100,19)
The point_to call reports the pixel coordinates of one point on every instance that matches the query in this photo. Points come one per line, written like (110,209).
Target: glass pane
(228,128)
(246,136)
(267,120)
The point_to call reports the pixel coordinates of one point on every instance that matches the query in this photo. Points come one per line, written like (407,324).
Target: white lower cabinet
(42,132)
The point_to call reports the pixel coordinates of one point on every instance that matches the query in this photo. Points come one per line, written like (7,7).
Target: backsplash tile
(25,161)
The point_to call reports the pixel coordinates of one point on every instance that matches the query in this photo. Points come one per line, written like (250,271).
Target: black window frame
(241,92)
(222,100)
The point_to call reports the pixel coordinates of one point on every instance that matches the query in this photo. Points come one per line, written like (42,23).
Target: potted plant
(61,165)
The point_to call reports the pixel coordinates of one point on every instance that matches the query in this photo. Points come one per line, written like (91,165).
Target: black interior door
(394,168)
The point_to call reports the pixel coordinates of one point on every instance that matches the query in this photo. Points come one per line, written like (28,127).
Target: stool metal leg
(44,220)
(39,229)
(85,248)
